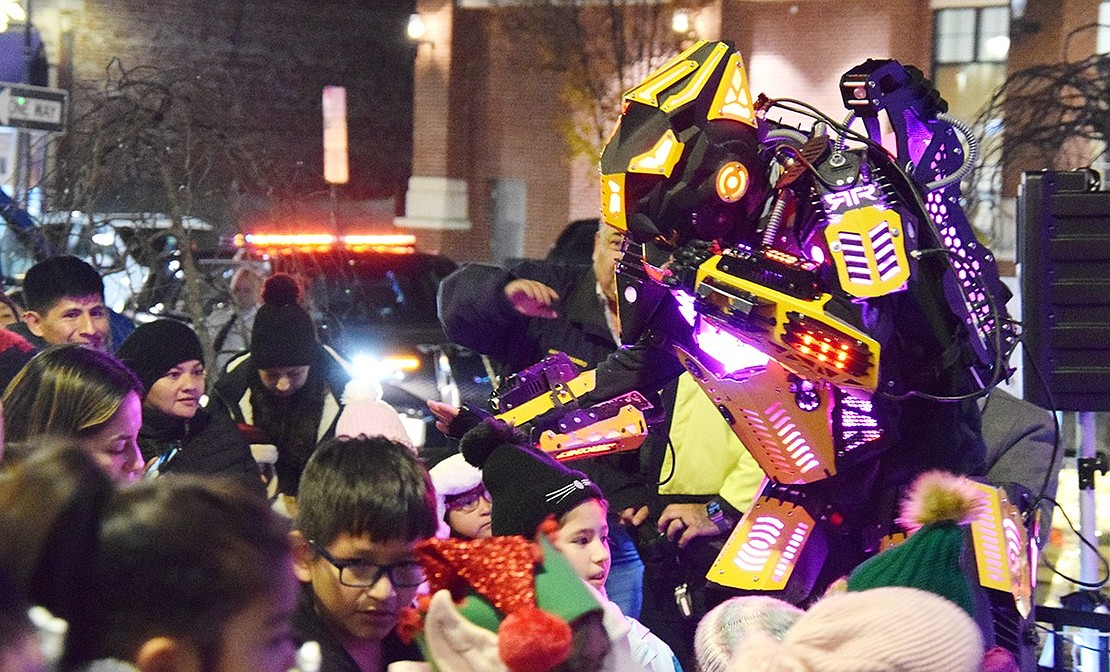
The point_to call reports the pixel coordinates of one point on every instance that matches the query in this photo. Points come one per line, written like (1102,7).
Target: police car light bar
(398,243)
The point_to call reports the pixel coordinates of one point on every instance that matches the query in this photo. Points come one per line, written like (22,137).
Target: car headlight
(390,367)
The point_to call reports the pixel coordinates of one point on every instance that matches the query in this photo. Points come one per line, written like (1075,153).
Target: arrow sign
(36,107)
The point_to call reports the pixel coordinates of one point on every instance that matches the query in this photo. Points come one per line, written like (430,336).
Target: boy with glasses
(363,505)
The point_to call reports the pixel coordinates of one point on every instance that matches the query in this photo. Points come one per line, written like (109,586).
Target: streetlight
(680,22)
(416,29)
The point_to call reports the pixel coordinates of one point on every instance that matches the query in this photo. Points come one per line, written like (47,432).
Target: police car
(373,299)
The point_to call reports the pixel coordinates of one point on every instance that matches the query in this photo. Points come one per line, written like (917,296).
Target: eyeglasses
(363,574)
(467,501)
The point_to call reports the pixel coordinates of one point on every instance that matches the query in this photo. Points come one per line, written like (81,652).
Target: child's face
(259,638)
(368,613)
(583,539)
(468,514)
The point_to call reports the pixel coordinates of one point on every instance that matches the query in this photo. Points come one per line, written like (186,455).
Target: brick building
(273,59)
(490,175)
(492,178)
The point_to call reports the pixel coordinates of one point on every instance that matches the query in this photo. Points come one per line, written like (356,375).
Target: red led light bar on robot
(826,347)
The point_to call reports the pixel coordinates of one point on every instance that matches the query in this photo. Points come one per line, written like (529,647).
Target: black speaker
(1064,250)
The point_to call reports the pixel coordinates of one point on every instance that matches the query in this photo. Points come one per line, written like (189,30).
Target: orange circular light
(732,181)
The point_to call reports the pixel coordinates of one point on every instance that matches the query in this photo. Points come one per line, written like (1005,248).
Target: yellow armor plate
(697,83)
(734,98)
(1002,549)
(868,246)
(660,159)
(612,202)
(669,74)
(790,445)
(763,549)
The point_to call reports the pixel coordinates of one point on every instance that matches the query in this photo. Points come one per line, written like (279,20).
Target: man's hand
(632,517)
(684,522)
(532,299)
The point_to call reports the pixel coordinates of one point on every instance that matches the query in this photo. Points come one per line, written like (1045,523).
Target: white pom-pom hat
(452,476)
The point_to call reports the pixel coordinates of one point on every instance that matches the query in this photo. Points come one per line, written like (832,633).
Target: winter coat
(295,424)
(475,313)
(208,444)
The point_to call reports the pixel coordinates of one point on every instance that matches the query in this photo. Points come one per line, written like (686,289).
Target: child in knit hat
(727,626)
(527,487)
(891,628)
(365,413)
(462,501)
(508,604)
(940,556)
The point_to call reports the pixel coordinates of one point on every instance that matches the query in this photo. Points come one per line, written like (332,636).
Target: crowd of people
(140,528)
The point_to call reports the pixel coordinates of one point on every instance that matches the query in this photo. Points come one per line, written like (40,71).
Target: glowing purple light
(817,254)
(686,306)
(732,353)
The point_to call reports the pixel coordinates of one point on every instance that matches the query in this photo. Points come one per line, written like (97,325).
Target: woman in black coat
(178,435)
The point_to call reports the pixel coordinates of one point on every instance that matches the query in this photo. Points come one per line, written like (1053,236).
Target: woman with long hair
(76,393)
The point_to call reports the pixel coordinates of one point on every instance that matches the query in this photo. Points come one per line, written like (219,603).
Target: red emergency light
(398,243)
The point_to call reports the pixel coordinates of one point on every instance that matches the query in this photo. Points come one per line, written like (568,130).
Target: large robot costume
(827,292)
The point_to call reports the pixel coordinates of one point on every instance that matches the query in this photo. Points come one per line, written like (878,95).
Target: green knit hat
(933,559)
(938,556)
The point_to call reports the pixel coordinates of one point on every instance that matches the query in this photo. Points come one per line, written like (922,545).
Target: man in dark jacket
(289,386)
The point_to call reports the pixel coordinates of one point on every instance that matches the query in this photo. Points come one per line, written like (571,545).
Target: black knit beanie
(156,347)
(526,485)
(283,333)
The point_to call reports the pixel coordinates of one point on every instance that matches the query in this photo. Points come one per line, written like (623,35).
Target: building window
(972,35)
(970,45)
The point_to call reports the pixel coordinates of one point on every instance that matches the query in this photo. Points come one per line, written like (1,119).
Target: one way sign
(37,107)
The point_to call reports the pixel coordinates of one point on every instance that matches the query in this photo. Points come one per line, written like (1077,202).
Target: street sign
(36,107)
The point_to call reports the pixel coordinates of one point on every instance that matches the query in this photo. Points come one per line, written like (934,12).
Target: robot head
(684,160)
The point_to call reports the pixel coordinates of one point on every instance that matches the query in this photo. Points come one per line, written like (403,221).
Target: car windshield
(369,289)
